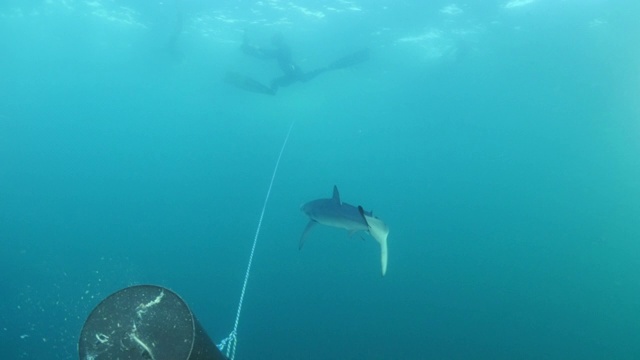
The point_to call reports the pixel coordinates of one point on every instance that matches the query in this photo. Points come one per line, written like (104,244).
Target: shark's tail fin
(379,231)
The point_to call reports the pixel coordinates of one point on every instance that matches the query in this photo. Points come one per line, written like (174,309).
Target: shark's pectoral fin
(305,233)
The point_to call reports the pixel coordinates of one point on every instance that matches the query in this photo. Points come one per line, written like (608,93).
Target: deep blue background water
(500,141)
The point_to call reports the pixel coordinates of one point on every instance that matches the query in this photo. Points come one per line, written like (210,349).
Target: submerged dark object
(145,322)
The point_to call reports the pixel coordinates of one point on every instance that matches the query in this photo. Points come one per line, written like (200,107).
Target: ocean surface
(498,140)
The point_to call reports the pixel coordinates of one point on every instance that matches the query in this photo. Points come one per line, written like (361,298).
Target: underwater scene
(340,179)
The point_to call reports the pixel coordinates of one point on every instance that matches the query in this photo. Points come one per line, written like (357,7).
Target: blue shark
(335,213)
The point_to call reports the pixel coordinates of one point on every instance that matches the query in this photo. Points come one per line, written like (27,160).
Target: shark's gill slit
(231,340)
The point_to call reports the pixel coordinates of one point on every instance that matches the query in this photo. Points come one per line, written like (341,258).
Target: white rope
(231,341)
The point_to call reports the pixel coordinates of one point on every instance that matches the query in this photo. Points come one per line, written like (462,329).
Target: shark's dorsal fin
(336,195)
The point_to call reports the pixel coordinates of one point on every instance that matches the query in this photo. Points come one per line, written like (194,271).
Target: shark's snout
(306,208)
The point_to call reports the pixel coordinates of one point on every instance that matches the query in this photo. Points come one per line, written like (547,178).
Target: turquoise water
(499,140)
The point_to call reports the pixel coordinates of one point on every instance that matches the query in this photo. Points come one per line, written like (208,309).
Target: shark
(335,213)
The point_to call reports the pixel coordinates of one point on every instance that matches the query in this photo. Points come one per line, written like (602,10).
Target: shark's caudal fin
(379,231)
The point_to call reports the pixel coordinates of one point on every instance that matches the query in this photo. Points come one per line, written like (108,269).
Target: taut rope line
(231,341)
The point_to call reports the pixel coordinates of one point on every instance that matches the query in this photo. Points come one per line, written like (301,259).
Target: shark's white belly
(342,224)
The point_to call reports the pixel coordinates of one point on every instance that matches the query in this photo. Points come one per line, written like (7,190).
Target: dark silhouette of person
(291,72)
